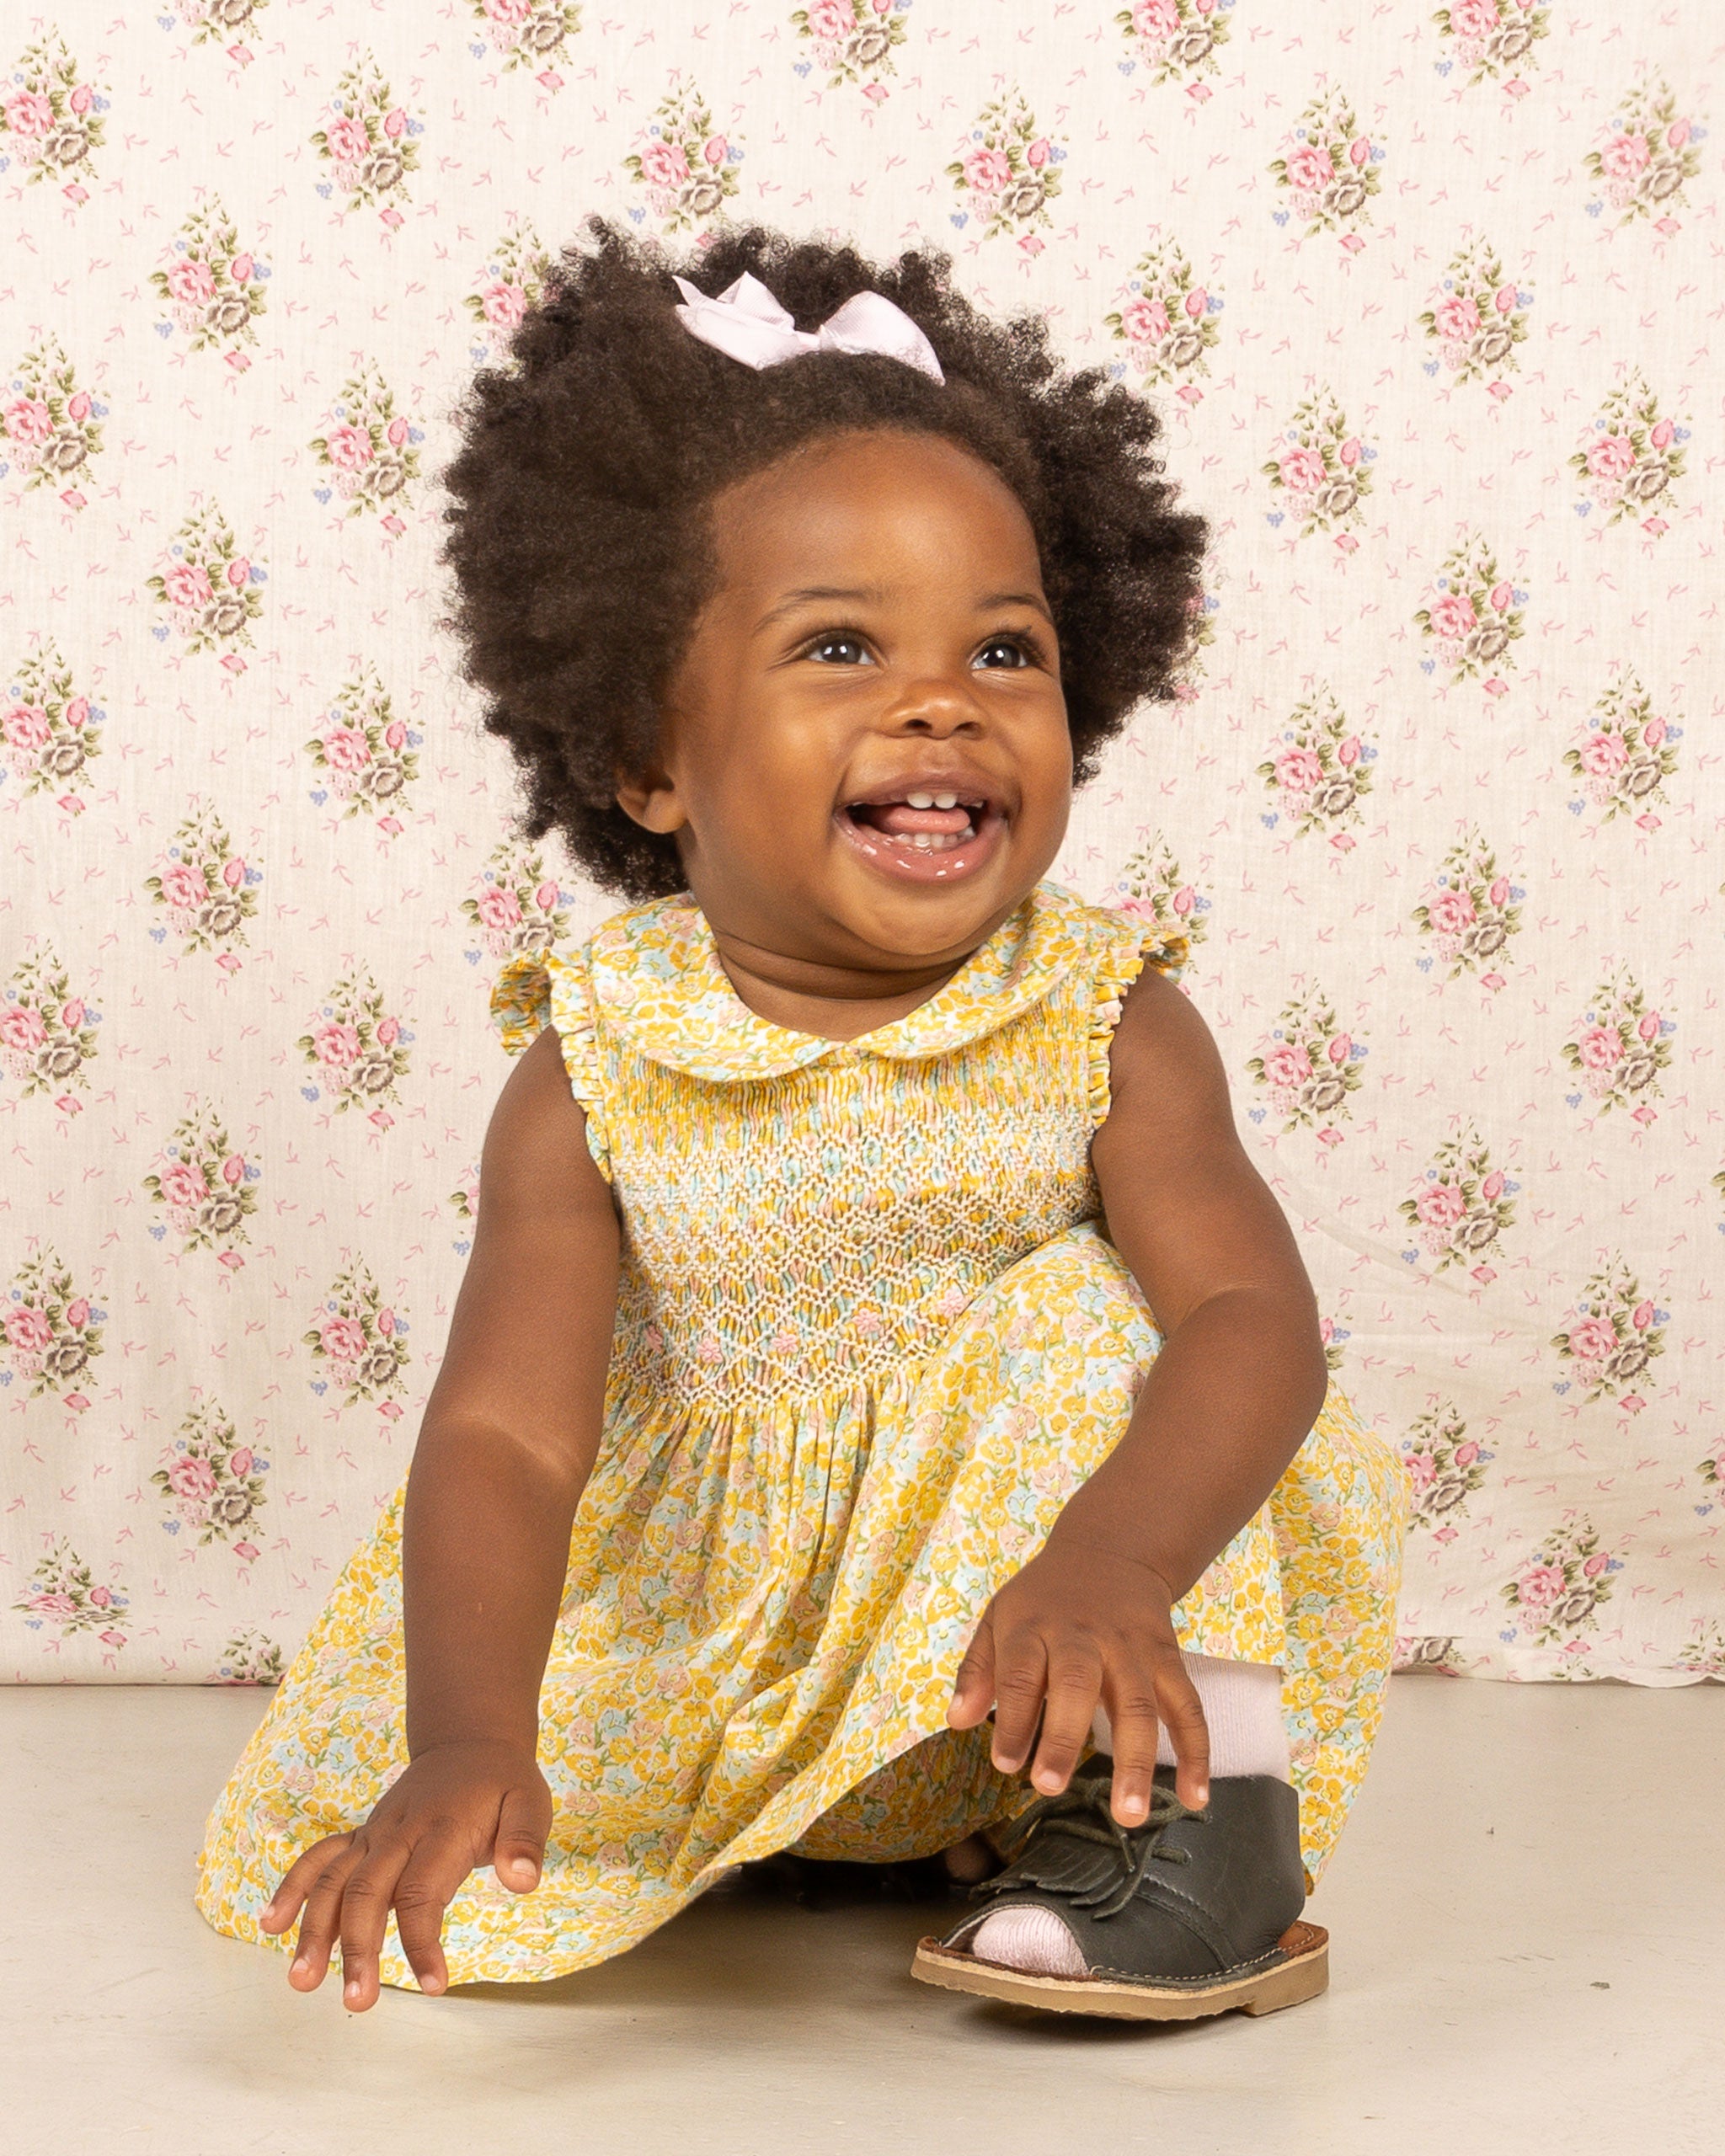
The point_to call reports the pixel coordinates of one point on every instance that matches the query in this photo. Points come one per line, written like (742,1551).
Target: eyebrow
(872,594)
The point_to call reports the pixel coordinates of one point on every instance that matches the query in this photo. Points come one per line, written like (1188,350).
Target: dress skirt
(763,1616)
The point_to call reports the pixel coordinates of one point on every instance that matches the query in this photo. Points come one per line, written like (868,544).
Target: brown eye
(1017,656)
(837,650)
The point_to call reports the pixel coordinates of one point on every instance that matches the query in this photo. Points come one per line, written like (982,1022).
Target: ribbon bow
(749,324)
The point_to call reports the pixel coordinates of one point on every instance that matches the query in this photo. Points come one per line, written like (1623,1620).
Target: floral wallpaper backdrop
(1427,299)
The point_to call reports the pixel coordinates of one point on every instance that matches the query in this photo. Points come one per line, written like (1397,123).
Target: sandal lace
(1102,1883)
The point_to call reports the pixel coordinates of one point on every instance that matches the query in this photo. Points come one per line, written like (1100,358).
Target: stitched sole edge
(1300,1970)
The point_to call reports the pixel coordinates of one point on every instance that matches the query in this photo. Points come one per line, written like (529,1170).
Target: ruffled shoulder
(1125,943)
(542,987)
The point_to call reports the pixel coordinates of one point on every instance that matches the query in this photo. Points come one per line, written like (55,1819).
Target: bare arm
(513,1421)
(1240,1376)
(1238,1382)
(508,1440)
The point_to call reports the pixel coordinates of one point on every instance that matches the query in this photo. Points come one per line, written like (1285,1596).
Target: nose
(936,708)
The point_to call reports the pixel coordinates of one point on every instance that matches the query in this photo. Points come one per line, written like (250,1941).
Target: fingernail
(352,1991)
(301,1967)
(1131,1807)
(431,1984)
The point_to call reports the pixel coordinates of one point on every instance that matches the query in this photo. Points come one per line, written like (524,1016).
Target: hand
(458,1806)
(1078,1624)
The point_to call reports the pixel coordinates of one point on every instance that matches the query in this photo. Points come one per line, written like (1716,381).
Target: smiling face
(866,759)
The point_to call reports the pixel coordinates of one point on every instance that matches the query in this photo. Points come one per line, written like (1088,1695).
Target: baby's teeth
(922,800)
(946,801)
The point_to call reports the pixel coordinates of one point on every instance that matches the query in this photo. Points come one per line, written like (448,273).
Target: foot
(1193,1907)
(969,1862)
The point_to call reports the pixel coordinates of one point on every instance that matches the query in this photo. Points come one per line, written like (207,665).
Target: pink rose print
(22,1028)
(26,726)
(1287,1064)
(1302,469)
(1591,1339)
(1610,456)
(347,138)
(183,886)
(664,164)
(1458,317)
(1310,168)
(987,170)
(1541,1585)
(345,748)
(1450,911)
(504,305)
(191,282)
(1624,155)
(183,1184)
(1603,755)
(350,448)
(28,113)
(28,1330)
(1156,19)
(1146,322)
(1452,615)
(29,421)
(1601,1046)
(191,1478)
(1440,1205)
(344,1339)
(188,584)
(498,908)
(1298,770)
(336,1043)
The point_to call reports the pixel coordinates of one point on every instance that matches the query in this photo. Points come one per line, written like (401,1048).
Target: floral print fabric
(871,1339)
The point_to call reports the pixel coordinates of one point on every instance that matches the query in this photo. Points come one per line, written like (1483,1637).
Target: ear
(651,799)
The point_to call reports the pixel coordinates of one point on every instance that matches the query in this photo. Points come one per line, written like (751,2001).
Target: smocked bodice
(801,1214)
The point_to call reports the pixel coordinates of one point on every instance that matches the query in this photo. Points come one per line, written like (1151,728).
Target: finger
(973,1688)
(365,1900)
(1074,1685)
(1134,1724)
(1021,1674)
(1181,1712)
(283,1906)
(322,1910)
(426,1888)
(523,1827)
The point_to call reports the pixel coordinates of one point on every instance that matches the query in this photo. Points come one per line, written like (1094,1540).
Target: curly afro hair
(582,556)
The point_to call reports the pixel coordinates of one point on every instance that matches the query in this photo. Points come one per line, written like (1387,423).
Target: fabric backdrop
(1427,301)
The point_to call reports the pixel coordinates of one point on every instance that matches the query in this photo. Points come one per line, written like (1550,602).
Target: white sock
(1242,1706)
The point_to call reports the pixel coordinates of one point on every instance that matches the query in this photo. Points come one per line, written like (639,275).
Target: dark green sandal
(1193,1913)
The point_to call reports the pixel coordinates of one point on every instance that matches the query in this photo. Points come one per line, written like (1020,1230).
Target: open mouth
(926,833)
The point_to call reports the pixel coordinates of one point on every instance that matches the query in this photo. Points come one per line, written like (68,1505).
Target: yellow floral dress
(870,1337)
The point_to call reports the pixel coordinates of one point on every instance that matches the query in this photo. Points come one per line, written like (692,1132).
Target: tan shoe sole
(1300,1970)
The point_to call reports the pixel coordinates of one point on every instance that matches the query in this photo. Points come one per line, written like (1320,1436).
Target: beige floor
(1528,1919)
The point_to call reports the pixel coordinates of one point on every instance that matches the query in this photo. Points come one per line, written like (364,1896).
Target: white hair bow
(747,322)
